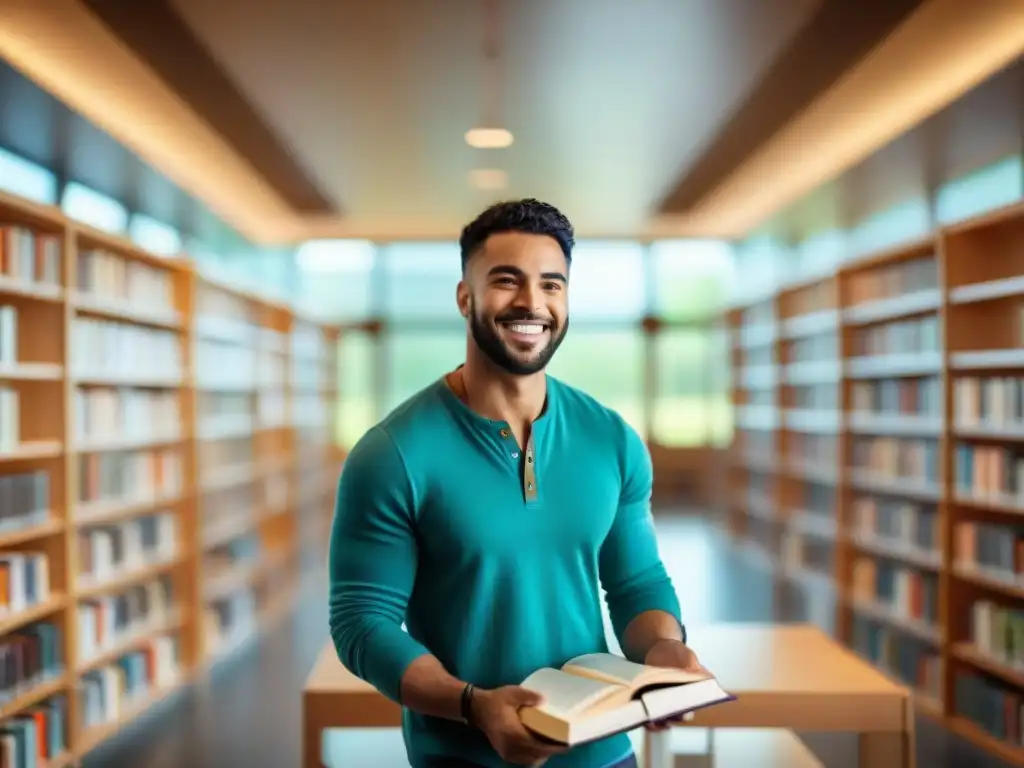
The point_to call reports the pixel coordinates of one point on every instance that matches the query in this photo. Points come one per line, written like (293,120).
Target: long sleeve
(632,573)
(372,564)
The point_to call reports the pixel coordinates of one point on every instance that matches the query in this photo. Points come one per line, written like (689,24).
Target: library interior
(777,206)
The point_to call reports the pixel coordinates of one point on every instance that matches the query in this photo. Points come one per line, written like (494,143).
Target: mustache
(523,317)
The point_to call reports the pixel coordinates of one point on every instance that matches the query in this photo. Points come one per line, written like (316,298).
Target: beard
(487,338)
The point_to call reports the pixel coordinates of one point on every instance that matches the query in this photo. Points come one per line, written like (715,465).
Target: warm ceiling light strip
(69,52)
(946,48)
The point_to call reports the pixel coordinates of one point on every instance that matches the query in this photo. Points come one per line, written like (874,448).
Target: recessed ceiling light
(488,178)
(488,138)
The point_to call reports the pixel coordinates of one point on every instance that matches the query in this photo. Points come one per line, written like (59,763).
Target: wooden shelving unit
(754,487)
(152,428)
(315,372)
(810,447)
(894,442)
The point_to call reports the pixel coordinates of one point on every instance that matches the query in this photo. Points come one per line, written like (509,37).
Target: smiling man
(488,512)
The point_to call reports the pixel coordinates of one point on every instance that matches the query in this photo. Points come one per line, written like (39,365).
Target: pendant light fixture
(490,133)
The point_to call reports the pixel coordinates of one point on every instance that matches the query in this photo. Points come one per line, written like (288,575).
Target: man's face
(515,296)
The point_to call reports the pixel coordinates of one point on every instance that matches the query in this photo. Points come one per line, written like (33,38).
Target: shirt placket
(529,465)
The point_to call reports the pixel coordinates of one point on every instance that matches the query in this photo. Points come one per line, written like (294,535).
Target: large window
(357,406)
(410,286)
(154,236)
(720,408)
(336,279)
(607,282)
(419,281)
(690,279)
(682,413)
(609,365)
(93,208)
(415,358)
(26,179)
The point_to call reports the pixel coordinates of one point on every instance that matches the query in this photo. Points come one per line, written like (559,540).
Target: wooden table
(795,677)
(335,698)
(791,677)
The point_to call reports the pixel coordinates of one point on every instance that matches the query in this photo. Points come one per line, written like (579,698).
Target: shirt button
(529,486)
(504,433)
(529,459)
(515,455)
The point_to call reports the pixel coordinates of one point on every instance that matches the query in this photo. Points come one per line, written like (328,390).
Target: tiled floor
(248,714)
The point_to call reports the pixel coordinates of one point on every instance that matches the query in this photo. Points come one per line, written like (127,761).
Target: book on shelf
(917,274)
(109,693)
(992,401)
(905,593)
(806,555)
(599,694)
(229,617)
(126,414)
(128,477)
(997,550)
(24,500)
(903,396)
(921,334)
(997,632)
(225,365)
(224,415)
(107,621)
(29,656)
(904,524)
(915,663)
(989,471)
(915,460)
(993,707)
(8,335)
(106,552)
(24,581)
(35,735)
(228,558)
(10,419)
(107,349)
(29,256)
(813,452)
(111,277)
(812,348)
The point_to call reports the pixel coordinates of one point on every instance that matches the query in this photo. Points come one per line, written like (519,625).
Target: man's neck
(499,395)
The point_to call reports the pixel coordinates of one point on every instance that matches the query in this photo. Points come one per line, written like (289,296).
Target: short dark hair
(527,215)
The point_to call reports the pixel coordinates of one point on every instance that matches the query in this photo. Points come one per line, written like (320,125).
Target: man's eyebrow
(508,269)
(555,276)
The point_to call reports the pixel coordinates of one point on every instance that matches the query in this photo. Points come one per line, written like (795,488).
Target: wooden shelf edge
(974,733)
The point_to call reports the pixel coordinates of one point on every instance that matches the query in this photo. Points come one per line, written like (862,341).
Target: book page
(607,666)
(672,701)
(566,694)
(612,668)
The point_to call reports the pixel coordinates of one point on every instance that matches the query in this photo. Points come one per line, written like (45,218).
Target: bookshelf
(898,471)
(810,447)
(151,430)
(754,486)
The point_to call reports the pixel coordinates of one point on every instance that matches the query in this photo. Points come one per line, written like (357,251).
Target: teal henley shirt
(493,556)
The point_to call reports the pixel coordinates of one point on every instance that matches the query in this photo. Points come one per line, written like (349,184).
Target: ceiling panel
(609,101)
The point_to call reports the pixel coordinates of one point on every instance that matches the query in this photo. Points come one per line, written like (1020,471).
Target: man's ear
(462,298)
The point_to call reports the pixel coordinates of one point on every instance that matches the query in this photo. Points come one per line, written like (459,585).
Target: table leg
(312,739)
(885,750)
(657,749)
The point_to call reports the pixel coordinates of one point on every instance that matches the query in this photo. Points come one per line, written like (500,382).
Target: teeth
(521,328)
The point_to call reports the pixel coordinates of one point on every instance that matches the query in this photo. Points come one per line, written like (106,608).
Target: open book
(600,694)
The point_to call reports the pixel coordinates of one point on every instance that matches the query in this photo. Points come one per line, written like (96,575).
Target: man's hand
(496,713)
(673,653)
